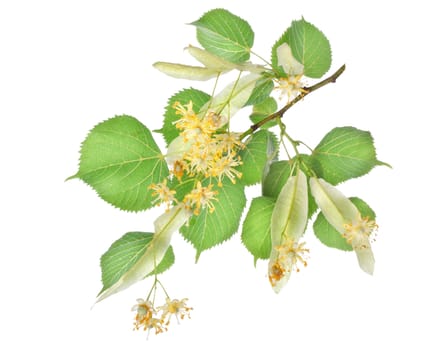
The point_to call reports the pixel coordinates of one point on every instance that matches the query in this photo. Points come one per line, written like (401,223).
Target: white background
(67,65)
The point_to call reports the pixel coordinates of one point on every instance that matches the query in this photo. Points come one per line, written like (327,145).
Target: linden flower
(144,317)
(225,167)
(200,198)
(291,85)
(289,255)
(191,125)
(175,307)
(344,216)
(200,157)
(228,141)
(164,194)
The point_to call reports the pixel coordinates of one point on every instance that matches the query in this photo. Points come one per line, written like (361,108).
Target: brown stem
(305,91)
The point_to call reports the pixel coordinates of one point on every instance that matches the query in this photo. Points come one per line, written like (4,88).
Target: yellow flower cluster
(146,317)
(200,152)
(291,86)
(358,232)
(207,153)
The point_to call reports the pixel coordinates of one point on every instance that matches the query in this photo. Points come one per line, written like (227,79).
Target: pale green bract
(124,253)
(309,47)
(291,210)
(183,71)
(288,223)
(329,236)
(345,217)
(165,226)
(287,61)
(232,98)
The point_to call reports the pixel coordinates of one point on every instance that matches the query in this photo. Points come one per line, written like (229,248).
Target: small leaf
(198,98)
(259,149)
(262,90)
(276,178)
(124,253)
(329,236)
(309,46)
(262,110)
(225,35)
(120,159)
(256,228)
(344,153)
(207,229)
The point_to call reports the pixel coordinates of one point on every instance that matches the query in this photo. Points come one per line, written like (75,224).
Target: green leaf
(198,97)
(256,228)
(329,236)
(259,150)
(262,110)
(123,255)
(207,229)
(344,153)
(276,178)
(261,91)
(225,35)
(120,159)
(309,46)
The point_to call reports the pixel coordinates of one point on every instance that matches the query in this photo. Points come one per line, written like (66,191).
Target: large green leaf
(344,153)
(259,149)
(197,97)
(226,35)
(120,159)
(329,236)
(309,46)
(256,228)
(123,255)
(207,229)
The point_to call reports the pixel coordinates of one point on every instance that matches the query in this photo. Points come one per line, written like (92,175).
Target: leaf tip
(380,163)
(75,176)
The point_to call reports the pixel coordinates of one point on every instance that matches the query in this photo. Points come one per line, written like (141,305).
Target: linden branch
(305,91)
